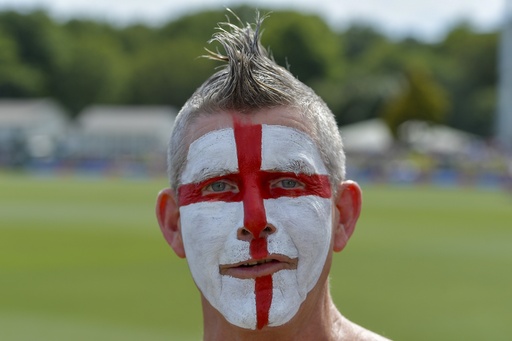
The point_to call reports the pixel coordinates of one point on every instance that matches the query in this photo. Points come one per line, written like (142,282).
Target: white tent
(109,131)
(426,137)
(369,136)
(35,126)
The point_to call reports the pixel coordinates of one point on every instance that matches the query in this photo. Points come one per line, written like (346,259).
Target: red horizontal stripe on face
(193,193)
(314,184)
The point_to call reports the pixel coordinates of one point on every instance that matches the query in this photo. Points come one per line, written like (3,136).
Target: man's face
(256,214)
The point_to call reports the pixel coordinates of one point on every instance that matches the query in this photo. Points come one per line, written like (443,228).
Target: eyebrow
(295,166)
(208,173)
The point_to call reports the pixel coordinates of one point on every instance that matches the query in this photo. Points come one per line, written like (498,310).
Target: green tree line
(360,72)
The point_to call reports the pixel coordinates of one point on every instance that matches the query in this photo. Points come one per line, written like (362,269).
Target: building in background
(120,136)
(30,129)
(368,137)
(37,134)
(504,116)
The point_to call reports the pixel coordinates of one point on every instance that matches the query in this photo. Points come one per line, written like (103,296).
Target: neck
(317,319)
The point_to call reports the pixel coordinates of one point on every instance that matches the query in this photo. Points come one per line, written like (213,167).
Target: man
(258,201)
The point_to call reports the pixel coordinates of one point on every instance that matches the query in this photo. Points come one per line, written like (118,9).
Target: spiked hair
(252,80)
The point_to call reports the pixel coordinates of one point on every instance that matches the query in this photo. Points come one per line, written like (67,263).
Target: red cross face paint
(256,218)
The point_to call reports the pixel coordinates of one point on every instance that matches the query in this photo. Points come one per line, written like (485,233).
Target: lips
(254,268)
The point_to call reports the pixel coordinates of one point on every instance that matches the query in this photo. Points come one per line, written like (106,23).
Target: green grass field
(83,259)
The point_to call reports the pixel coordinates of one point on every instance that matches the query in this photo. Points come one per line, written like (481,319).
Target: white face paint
(302,224)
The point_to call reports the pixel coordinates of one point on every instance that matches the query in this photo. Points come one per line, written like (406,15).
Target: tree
(358,39)
(469,70)
(372,73)
(168,73)
(16,79)
(96,70)
(357,71)
(96,74)
(40,49)
(306,43)
(196,27)
(420,98)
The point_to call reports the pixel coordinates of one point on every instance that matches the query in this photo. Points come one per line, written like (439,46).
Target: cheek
(204,226)
(304,224)
(209,235)
(207,228)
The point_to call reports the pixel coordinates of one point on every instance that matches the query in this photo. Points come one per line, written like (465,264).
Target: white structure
(30,128)
(504,117)
(434,138)
(374,137)
(121,132)
(371,136)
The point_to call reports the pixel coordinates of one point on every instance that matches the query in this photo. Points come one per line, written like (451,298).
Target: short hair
(251,80)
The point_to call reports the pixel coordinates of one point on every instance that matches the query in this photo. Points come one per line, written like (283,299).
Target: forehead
(283,116)
(278,147)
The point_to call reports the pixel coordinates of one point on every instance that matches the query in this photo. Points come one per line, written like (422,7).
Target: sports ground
(83,259)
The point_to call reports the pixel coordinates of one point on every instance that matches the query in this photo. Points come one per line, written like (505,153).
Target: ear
(348,207)
(168,215)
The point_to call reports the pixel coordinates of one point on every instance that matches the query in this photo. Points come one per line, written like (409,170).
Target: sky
(424,19)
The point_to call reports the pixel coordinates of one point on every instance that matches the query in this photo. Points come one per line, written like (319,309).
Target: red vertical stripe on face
(259,248)
(248,149)
(263,289)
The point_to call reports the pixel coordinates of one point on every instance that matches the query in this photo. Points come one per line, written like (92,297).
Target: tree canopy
(359,72)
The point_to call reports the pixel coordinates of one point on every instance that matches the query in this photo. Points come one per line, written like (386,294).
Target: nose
(246,235)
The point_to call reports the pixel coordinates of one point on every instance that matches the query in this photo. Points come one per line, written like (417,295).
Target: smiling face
(256,216)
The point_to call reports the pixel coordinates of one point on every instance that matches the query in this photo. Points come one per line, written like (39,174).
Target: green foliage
(96,73)
(359,39)
(196,27)
(36,36)
(470,70)
(295,41)
(169,73)
(16,79)
(83,259)
(23,56)
(359,95)
(136,38)
(420,98)
(358,71)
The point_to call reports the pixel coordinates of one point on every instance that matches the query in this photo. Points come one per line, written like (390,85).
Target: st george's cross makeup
(256,219)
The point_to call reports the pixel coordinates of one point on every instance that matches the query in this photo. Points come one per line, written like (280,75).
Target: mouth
(254,268)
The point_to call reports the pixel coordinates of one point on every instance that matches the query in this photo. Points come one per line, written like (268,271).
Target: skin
(317,318)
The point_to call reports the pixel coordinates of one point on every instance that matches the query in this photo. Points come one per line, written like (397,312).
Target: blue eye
(217,186)
(220,186)
(289,183)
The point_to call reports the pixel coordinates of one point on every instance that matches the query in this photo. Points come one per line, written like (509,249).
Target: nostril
(269,229)
(244,234)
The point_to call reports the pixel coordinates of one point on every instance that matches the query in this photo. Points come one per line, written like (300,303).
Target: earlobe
(348,208)
(168,215)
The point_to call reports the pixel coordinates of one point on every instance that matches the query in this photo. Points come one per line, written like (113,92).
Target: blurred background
(422,93)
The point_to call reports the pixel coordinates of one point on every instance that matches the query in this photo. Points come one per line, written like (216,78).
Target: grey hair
(252,80)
